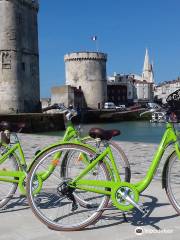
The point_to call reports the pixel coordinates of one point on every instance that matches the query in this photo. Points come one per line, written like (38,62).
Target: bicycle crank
(125,197)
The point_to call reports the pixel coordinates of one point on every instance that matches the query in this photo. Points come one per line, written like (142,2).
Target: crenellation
(79,56)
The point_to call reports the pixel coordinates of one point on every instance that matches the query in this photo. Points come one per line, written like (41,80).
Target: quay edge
(46,122)
(36,122)
(97,116)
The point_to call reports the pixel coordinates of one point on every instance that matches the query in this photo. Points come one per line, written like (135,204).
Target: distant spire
(147,73)
(146,61)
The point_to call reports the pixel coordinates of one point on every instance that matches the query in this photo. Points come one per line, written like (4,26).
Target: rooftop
(169,82)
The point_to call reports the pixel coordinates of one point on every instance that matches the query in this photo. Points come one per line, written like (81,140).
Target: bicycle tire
(173,181)
(94,211)
(120,159)
(7,189)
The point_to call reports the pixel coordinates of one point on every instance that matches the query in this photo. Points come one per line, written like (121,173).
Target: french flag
(94,38)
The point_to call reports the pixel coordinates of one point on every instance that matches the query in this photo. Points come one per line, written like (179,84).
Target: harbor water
(131,131)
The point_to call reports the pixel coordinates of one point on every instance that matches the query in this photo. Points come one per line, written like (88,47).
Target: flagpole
(94,38)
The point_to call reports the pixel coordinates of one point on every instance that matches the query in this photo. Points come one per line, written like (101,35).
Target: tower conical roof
(147,73)
(146,62)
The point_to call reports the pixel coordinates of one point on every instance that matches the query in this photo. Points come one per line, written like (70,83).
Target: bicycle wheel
(173,181)
(54,205)
(121,160)
(7,189)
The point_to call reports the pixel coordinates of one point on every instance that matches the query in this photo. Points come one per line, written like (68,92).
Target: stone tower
(87,71)
(19,56)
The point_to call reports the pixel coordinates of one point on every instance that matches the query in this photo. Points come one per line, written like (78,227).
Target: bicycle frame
(20,160)
(168,138)
(20,175)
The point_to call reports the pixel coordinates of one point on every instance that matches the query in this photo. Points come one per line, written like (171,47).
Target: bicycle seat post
(98,142)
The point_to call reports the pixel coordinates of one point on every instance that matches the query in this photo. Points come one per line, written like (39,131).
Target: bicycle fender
(177,149)
(56,145)
(164,169)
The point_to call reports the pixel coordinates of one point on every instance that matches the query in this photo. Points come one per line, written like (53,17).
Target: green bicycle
(59,202)
(13,165)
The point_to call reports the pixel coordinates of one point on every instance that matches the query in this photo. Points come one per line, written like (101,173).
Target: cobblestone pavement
(17,222)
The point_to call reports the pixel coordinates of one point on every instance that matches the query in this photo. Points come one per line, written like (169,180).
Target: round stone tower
(87,71)
(19,56)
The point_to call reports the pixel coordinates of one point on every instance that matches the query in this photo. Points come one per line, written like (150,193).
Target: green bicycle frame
(20,160)
(20,175)
(168,138)
(70,134)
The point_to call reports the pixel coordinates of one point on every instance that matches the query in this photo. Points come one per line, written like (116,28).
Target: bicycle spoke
(58,206)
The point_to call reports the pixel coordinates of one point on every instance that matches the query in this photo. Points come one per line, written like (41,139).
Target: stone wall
(87,71)
(37,122)
(68,95)
(62,94)
(19,56)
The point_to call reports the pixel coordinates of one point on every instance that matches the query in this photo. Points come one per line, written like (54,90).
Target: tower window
(6,60)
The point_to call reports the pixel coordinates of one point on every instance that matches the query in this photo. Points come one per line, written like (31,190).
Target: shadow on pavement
(16,204)
(111,217)
(135,217)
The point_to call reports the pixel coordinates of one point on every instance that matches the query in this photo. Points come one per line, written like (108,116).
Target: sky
(124,29)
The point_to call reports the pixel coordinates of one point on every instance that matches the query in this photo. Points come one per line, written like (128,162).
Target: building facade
(19,56)
(120,89)
(132,88)
(87,85)
(163,90)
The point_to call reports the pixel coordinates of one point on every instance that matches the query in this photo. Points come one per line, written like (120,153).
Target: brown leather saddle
(103,134)
(13,127)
